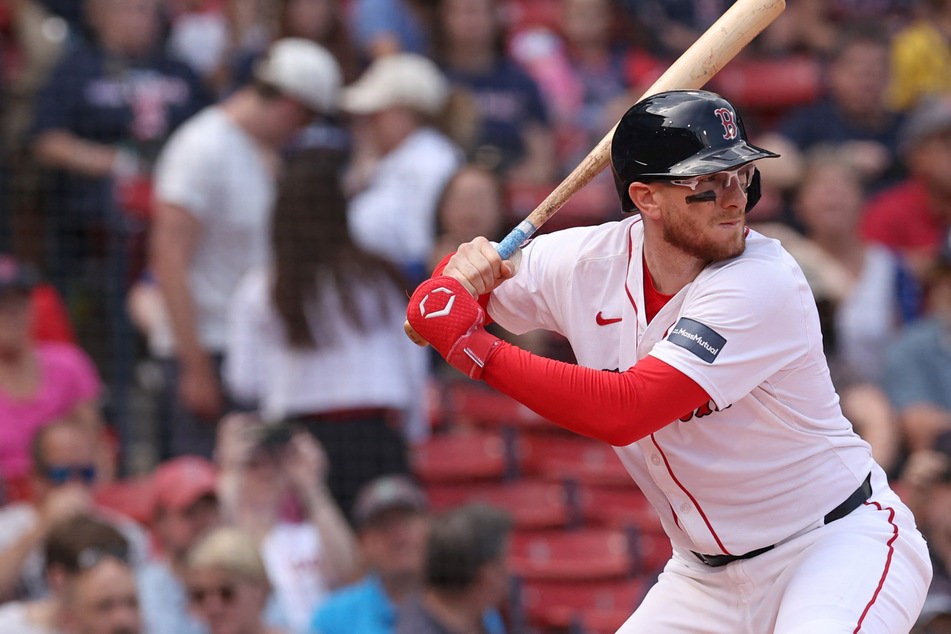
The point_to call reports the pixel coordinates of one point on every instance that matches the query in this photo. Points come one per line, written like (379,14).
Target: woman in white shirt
(318,336)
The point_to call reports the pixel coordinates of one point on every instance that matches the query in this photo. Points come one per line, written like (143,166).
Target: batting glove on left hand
(444,313)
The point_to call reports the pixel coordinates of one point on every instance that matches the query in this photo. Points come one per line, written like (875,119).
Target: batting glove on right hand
(444,313)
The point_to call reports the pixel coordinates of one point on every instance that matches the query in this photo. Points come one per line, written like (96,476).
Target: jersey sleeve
(741,326)
(616,407)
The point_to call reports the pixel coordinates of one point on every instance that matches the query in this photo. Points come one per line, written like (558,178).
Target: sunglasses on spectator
(713,186)
(225,593)
(61,474)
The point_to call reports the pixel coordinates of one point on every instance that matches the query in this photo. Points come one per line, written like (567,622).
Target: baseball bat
(712,51)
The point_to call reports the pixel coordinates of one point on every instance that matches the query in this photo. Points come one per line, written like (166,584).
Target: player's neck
(670,268)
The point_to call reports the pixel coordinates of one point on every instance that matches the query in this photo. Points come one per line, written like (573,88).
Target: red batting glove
(443,313)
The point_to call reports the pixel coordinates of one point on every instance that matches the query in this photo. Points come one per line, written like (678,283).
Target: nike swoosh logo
(604,322)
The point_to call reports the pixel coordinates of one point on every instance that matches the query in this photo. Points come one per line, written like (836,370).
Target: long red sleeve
(616,407)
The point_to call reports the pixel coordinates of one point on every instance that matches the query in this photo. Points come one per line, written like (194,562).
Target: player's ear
(644,198)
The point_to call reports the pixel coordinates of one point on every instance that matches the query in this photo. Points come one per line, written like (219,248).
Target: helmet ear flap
(755,191)
(627,205)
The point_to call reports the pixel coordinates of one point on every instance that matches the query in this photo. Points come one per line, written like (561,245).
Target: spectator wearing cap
(917,375)
(914,216)
(215,187)
(63,479)
(40,382)
(392,521)
(92,588)
(466,579)
(185,507)
(400,99)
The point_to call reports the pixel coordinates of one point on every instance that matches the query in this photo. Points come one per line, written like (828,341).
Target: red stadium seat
(581,555)
(461,456)
(533,504)
(574,458)
(618,507)
(468,402)
(592,607)
(770,85)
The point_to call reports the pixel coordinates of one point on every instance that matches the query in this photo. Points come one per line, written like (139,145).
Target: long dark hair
(313,249)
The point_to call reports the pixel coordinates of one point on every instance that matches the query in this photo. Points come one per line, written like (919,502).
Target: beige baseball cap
(303,70)
(402,79)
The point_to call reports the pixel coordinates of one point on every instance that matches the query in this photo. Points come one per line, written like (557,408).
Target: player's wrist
(473,351)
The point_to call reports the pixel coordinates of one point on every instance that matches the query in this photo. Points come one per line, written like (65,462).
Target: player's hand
(479,267)
(446,315)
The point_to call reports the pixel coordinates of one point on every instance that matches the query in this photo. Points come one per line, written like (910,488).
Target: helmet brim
(717,159)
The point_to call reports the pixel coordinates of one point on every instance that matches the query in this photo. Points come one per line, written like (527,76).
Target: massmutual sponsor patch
(697,338)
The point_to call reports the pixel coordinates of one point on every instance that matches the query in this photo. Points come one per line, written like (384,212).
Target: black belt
(851,503)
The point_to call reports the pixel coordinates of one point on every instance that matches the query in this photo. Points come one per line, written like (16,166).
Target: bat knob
(413,335)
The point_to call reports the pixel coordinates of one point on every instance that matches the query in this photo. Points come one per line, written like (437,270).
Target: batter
(700,360)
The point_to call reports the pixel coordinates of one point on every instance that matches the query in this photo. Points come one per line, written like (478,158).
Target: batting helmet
(681,134)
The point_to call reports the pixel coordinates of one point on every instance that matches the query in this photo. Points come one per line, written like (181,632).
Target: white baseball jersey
(771,454)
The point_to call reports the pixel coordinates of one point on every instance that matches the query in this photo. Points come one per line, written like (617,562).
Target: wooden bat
(712,51)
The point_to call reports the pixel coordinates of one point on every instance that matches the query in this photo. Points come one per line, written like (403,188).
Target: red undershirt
(616,407)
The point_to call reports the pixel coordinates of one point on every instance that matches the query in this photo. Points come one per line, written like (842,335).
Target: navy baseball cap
(15,276)
(386,493)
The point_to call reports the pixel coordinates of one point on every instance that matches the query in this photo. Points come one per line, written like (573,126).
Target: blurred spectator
(64,474)
(854,113)
(32,41)
(384,27)
(228,586)
(914,216)
(921,56)
(215,189)
(301,332)
(391,516)
(582,74)
(858,287)
(588,76)
(99,123)
(185,507)
(261,468)
(918,370)
(471,204)
(926,481)
(805,27)
(39,381)
(400,98)
(466,579)
(199,34)
(676,24)
(319,21)
(514,137)
(92,588)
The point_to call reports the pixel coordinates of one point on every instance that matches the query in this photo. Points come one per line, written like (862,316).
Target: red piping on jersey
(692,499)
(888,563)
(630,256)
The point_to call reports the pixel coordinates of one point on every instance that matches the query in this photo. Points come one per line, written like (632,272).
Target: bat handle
(509,245)
(515,239)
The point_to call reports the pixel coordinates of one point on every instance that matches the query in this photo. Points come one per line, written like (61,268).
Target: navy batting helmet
(681,134)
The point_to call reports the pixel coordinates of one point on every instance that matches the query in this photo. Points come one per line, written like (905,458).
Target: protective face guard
(713,186)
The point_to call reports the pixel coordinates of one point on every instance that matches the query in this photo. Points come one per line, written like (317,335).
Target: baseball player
(700,361)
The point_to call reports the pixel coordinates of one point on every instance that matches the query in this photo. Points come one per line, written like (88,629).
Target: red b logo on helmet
(730,131)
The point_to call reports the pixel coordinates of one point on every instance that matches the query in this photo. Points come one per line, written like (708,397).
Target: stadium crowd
(212,211)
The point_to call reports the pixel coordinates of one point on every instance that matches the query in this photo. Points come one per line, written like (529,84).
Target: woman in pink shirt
(39,381)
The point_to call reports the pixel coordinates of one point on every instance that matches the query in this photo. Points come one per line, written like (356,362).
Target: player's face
(706,217)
